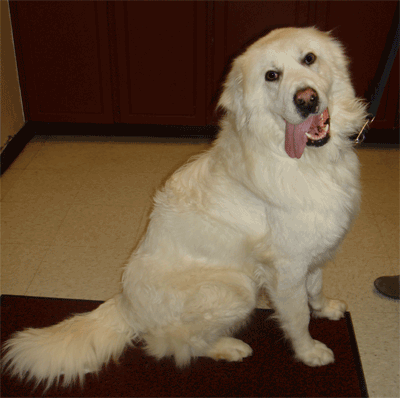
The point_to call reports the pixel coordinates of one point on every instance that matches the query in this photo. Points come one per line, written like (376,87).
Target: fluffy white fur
(239,217)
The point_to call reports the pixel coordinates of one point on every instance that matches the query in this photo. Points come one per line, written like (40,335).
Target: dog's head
(297,80)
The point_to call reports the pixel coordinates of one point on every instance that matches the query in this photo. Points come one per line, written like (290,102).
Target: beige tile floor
(73,208)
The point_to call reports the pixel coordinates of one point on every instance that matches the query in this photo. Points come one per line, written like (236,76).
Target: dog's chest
(314,210)
(309,233)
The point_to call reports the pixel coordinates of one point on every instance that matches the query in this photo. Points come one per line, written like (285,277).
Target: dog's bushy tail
(78,345)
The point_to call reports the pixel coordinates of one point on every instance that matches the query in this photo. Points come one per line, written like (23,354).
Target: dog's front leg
(290,299)
(322,306)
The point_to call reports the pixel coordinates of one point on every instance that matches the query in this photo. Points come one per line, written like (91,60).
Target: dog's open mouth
(318,135)
(314,131)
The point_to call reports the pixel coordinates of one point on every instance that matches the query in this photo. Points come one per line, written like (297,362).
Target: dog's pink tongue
(295,137)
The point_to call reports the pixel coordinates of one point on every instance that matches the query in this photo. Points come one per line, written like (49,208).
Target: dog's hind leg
(214,309)
(322,306)
(229,349)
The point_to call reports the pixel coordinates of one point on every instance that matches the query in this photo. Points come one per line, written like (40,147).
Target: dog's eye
(309,59)
(271,75)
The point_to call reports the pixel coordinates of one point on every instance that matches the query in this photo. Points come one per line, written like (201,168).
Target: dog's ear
(349,111)
(339,59)
(232,95)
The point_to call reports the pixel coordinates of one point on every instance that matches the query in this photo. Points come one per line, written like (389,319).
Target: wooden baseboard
(374,138)
(17,144)
(382,138)
(30,129)
(128,130)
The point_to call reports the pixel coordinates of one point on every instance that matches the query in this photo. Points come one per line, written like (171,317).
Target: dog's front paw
(318,355)
(333,310)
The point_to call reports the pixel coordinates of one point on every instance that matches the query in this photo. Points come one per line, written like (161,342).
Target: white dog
(265,207)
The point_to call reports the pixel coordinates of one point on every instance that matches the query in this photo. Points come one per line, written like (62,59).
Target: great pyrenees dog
(265,207)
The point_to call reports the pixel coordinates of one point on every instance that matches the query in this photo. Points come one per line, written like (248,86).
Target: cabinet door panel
(64,60)
(161,62)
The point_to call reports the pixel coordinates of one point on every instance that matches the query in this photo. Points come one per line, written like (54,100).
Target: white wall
(12,114)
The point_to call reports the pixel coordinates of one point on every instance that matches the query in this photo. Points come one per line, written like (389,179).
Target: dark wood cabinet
(164,62)
(161,50)
(63,60)
(105,62)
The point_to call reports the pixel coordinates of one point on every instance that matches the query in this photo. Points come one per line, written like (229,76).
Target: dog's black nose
(306,101)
